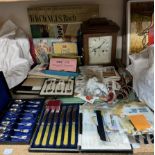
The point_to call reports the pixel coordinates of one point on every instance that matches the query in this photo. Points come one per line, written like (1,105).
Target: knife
(59,135)
(37,141)
(73,125)
(51,141)
(65,141)
(47,129)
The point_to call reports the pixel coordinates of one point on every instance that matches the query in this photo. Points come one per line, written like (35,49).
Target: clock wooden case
(99,41)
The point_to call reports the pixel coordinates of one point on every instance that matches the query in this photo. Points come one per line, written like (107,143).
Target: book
(140,122)
(65,48)
(63,64)
(61,73)
(43,47)
(67,57)
(40,71)
(29,86)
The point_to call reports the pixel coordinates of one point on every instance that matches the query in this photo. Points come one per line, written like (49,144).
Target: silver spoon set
(18,121)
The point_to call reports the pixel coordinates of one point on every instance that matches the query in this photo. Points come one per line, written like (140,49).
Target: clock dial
(100,49)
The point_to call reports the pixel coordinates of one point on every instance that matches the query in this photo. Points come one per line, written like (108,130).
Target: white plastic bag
(15,58)
(14,67)
(11,31)
(8,29)
(142,70)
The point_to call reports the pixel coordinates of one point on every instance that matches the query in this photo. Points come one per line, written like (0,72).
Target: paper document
(140,122)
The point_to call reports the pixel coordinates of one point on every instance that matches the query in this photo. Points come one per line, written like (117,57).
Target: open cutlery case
(72,129)
(57,87)
(57,130)
(17,117)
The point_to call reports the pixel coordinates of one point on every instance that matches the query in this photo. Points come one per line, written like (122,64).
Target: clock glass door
(100,48)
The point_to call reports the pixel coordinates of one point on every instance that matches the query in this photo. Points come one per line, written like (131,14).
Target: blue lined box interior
(54,147)
(15,127)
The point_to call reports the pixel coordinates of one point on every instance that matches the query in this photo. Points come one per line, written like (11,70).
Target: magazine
(38,72)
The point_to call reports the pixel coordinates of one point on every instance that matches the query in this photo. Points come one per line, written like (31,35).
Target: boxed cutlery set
(17,117)
(57,87)
(17,124)
(74,129)
(58,128)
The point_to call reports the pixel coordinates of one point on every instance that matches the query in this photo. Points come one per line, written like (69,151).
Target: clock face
(100,49)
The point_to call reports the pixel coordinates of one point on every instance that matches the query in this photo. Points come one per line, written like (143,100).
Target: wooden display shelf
(23,150)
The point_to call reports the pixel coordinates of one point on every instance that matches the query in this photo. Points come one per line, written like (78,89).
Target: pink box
(63,64)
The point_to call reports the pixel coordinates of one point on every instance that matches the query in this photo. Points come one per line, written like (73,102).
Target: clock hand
(101,44)
(98,46)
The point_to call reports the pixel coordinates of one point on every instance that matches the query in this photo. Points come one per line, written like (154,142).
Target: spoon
(25,124)
(56,82)
(65,82)
(19,101)
(22,130)
(2,129)
(69,87)
(16,105)
(6,123)
(19,137)
(2,136)
(47,83)
(34,102)
(31,111)
(51,86)
(14,110)
(32,106)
